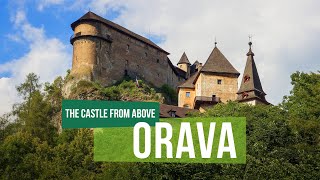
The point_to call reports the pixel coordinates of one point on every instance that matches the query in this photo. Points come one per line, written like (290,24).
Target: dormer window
(246,78)
(172,113)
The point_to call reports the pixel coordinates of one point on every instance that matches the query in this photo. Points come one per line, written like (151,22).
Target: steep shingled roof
(180,112)
(176,70)
(218,63)
(251,87)
(189,83)
(184,59)
(90,16)
(250,80)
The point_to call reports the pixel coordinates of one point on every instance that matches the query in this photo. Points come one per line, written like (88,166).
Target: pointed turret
(184,64)
(184,59)
(251,89)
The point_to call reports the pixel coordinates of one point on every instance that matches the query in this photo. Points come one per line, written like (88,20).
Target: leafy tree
(16,151)
(54,93)
(304,98)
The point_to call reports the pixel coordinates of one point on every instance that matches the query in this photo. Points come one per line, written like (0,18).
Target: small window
(128,47)
(127,62)
(158,60)
(146,54)
(186,106)
(246,78)
(158,75)
(104,70)
(187,94)
(244,95)
(219,81)
(172,114)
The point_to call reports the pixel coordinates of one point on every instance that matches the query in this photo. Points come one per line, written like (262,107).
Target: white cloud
(286,34)
(47,57)
(19,18)
(46,3)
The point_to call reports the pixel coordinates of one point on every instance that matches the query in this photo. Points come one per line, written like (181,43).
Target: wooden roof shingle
(90,16)
(218,63)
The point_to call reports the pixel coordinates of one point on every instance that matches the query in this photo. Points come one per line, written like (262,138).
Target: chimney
(199,66)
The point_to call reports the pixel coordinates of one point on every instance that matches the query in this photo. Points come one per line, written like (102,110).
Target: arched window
(246,78)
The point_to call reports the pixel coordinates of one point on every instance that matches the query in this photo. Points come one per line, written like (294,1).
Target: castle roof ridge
(90,16)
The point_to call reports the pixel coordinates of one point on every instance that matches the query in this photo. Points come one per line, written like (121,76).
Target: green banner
(188,140)
(95,114)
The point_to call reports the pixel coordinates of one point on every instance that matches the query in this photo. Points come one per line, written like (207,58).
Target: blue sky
(286,35)
(56,20)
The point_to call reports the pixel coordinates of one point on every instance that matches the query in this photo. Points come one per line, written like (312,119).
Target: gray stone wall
(128,55)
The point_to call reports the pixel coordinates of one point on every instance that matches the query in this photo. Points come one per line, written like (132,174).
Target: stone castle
(105,52)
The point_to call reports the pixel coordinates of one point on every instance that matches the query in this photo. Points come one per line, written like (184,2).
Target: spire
(251,87)
(215,42)
(250,53)
(184,59)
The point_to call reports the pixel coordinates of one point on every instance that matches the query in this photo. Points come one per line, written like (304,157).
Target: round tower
(86,42)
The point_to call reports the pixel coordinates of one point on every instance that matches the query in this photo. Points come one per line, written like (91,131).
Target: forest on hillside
(283,141)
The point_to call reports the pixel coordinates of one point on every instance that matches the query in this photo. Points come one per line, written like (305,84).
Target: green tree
(54,93)
(30,85)
(35,113)
(304,98)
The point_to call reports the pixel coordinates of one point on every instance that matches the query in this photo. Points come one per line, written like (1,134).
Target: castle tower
(88,41)
(218,77)
(216,81)
(184,64)
(105,52)
(251,91)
